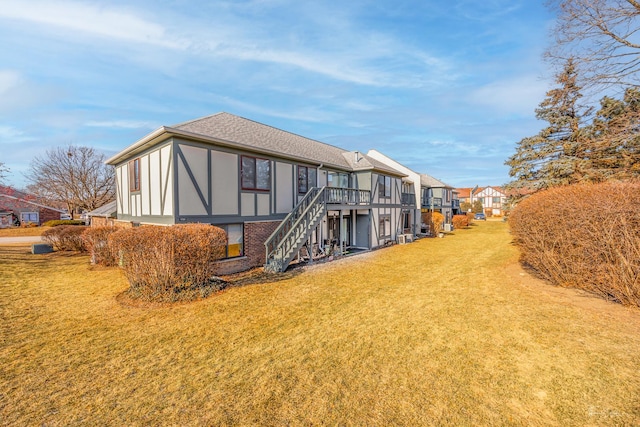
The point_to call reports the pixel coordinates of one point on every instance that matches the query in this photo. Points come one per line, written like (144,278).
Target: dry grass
(20,232)
(465,338)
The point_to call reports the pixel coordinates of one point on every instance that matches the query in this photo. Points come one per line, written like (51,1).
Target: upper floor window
(338,179)
(256,173)
(496,200)
(384,186)
(134,175)
(306,179)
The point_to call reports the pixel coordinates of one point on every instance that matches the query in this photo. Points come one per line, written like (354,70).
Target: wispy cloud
(90,19)
(8,80)
(123,124)
(369,58)
(518,95)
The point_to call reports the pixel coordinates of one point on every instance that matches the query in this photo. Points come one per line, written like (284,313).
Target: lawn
(22,231)
(439,332)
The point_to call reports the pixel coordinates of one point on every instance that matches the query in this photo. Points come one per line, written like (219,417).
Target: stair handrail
(288,223)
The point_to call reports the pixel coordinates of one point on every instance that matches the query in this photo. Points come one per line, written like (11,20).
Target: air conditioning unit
(448,227)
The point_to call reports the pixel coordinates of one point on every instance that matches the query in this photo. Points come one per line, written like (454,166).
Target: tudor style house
(275,193)
(493,199)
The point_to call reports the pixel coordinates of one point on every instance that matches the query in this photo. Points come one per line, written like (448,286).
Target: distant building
(493,198)
(16,206)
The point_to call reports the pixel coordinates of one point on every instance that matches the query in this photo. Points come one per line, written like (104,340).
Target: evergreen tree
(556,155)
(615,138)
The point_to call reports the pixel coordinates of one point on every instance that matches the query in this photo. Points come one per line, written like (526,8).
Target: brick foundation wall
(255,234)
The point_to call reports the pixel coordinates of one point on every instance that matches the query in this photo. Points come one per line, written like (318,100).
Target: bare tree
(3,172)
(602,37)
(74,175)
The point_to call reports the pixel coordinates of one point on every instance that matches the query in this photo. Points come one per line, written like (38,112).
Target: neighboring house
(494,200)
(23,207)
(464,194)
(436,196)
(104,215)
(272,191)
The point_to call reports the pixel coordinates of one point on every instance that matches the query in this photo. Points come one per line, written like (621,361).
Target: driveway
(21,239)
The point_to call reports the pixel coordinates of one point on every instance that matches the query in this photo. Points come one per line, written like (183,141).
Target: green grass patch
(439,332)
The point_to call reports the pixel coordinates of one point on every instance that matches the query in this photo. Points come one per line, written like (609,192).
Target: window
(235,237)
(256,174)
(385,225)
(134,175)
(496,200)
(29,217)
(384,186)
(338,180)
(306,179)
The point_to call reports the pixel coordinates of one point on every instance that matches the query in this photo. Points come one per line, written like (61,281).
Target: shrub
(584,236)
(170,263)
(437,221)
(460,221)
(57,222)
(96,241)
(28,224)
(65,238)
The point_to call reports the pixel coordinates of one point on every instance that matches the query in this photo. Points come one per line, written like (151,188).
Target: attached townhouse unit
(275,193)
(436,196)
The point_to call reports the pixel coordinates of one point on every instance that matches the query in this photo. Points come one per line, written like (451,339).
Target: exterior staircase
(285,242)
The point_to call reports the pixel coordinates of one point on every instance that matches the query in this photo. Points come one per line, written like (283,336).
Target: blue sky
(445,87)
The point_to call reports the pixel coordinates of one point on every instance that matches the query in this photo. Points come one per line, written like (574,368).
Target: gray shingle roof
(261,137)
(429,181)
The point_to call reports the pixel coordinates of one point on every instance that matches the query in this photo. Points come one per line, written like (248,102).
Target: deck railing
(432,202)
(347,196)
(408,199)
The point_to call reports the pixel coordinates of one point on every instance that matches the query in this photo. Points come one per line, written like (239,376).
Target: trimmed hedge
(96,242)
(173,263)
(65,238)
(584,236)
(58,222)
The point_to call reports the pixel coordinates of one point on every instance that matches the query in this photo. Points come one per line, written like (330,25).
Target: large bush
(460,221)
(65,237)
(170,263)
(96,242)
(584,236)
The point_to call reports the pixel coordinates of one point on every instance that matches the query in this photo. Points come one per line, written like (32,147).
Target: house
(104,215)
(493,199)
(17,205)
(410,188)
(436,196)
(275,193)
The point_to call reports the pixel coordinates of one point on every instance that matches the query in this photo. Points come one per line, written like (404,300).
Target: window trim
(255,178)
(384,186)
(382,230)
(308,182)
(226,248)
(134,174)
